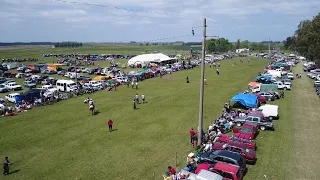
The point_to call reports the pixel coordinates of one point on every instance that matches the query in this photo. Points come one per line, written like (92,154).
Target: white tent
(147,58)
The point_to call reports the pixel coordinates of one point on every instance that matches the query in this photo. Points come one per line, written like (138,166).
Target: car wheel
(239,124)
(269,99)
(270,118)
(262,128)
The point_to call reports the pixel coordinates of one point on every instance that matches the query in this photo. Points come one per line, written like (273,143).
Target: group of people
(136,100)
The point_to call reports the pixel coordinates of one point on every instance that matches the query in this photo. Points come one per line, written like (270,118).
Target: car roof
(14,94)
(225,153)
(226,167)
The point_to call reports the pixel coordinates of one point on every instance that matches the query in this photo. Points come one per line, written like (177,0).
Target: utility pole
(202,81)
(269,47)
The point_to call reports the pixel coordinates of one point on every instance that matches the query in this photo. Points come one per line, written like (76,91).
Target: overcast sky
(50,20)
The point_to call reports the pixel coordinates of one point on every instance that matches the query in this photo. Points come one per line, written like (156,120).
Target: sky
(151,20)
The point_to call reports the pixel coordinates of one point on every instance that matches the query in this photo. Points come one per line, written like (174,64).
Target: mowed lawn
(63,141)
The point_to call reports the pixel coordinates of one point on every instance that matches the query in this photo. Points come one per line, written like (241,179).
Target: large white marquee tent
(147,58)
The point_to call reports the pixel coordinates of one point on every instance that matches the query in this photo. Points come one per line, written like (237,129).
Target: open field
(63,142)
(306,113)
(121,49)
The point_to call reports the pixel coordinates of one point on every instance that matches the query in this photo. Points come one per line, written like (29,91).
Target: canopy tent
(254,84)
(268,87)
(248,100)
(147,58)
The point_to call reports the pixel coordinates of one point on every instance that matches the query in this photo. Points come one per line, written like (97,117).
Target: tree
(307,39)
(221,45)
(245,44)
(238,44)
(254,46)
(288,42)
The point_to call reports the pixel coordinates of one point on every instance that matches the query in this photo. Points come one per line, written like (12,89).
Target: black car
(212,157)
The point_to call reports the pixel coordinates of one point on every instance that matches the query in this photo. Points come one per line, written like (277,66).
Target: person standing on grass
(192,134)
(143,98)
(134,104)
(137,98)
(218,71)
(205,81)
(187,79)
(6,164)
(110,123)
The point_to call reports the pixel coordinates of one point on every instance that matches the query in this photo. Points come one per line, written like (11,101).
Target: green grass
(36,52)
(62,141)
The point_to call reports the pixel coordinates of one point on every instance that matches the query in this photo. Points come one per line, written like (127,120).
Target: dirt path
(306,119)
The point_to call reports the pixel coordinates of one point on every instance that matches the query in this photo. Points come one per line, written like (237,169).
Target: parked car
(227,171)
(213,157)
(248,154)
(269,111)
(29,84)
(268,95)
(12,97)
(290,76)
(3,88)
(316,83)
(226,138)
(262,99)
(248,131)
(13,86)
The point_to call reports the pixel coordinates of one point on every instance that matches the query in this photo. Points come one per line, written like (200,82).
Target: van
(66,85)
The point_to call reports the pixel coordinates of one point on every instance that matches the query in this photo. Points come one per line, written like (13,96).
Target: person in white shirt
(136,85)
(137,98)
(143,98)
(205,81)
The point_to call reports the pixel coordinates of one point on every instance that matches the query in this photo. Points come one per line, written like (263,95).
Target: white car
(11,97)
(13,86)
(290,76)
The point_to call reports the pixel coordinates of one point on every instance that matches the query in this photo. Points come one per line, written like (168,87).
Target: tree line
(306,39)
(223,45)
(67,44)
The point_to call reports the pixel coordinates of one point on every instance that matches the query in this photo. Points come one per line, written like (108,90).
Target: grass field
(35,52)
(63,142)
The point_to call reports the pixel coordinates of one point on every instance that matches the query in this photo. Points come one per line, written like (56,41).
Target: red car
(248,132)
(261,98)
(248,154)
(225,138)
(227,171)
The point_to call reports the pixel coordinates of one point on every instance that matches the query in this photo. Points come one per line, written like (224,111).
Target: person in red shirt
(172,171)
(192,134)
(110,123)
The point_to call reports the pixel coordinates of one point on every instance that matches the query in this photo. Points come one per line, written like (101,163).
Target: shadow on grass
(15,171)
(96,112)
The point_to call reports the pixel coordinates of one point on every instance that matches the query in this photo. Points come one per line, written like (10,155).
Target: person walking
(143,98)
(6,164)
(187,79)
(218,71)
(205,81)
(137,98)
(110,124)
(134,104)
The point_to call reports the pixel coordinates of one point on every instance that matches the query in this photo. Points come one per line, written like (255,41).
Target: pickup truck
(257,118)
(282,85)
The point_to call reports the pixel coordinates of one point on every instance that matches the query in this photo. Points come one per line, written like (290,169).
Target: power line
(126,9)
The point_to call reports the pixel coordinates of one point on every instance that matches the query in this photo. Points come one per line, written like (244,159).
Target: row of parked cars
(230,153)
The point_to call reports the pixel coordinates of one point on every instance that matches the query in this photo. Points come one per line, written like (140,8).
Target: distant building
(243,50)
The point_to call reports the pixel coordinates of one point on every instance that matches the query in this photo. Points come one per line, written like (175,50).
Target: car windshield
(246,130)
